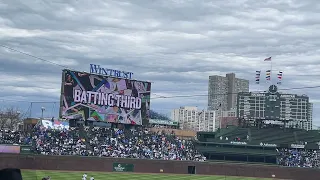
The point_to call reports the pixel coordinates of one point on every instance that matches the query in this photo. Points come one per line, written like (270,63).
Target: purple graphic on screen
(9,149)
(107,85)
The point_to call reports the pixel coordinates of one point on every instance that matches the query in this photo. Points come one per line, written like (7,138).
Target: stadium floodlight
(42,110)
(18,115)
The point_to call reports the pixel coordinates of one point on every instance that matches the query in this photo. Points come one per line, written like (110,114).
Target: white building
(190,118)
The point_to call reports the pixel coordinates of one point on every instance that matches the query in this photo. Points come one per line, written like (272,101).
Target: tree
(156,115)
(9,118)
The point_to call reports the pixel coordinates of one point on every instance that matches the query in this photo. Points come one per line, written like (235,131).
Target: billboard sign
(97,69)
(121,167)
(102,98)
(12,149)
(25,149)
(55,124)
(163,122)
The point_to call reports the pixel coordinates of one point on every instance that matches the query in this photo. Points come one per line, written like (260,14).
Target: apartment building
(190,118)
(222,91)
(229,118)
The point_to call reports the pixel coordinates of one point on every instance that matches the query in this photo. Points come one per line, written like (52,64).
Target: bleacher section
(273,136)
(239,133)
(250,144)
(307,136)
(236,151)
(255,136)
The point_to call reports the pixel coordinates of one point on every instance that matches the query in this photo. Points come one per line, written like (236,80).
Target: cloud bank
(176,44)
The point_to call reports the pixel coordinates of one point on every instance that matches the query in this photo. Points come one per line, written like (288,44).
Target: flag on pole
(258,74)
(268,75)
(280,74)
(267,59)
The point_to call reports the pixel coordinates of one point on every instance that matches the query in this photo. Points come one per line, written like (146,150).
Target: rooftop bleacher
(255,136)
(274,136)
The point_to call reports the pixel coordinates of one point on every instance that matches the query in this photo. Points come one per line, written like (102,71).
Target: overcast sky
(176,44)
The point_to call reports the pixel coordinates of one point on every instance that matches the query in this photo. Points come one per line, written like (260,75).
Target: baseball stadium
(107,131)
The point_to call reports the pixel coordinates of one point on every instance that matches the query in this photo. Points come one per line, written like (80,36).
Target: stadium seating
(286,147)
(264,135)
(111,142)
(232,134)
(307,136)
(142,143)
(272,136)
(235,151)
(223,132)
(107,142)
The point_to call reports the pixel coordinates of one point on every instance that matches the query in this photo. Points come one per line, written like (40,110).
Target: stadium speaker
(10,174)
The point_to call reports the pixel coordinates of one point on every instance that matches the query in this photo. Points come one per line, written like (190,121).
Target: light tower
(42,110)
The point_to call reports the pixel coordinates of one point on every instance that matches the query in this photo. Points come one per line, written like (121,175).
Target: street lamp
(42,110)
(18,115)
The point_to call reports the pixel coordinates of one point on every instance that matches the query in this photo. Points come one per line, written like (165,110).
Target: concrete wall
(177,132)
(73,163)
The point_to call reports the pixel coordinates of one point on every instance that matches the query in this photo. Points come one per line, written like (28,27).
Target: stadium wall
(177,132)
(74,163)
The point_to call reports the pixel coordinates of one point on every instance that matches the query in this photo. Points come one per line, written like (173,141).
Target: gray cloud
(176,44)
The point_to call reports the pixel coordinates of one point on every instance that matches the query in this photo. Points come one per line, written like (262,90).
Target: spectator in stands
(141,144)
(55,142)
(299,158)
(14,137)
(106,142)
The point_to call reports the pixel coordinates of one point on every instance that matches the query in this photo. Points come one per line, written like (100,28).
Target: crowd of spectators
(105,142)
(58,142)
(13,137)
(141,144)
(299,158)
(131,143)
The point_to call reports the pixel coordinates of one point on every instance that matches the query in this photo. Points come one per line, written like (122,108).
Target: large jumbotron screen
(100,98)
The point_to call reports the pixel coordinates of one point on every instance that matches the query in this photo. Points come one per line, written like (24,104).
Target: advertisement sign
(121,167)
(163,122)
(267,144)
(101,98)
(12,149)
(97,69)
(55,124)
(25,149)
(297,146)
(238,143)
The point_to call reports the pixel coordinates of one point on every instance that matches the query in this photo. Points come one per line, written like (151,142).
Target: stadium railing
(236,151)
